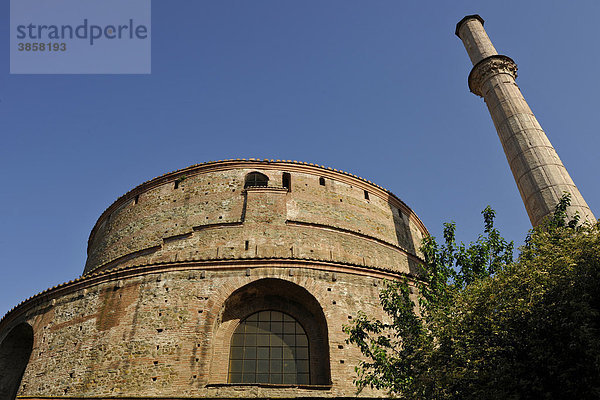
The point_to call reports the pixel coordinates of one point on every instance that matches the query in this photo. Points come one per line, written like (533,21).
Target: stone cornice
(465,19)
(488,67)
(116,275)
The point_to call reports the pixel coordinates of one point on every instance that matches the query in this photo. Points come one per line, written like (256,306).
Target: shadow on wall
(15,351)
(405,237)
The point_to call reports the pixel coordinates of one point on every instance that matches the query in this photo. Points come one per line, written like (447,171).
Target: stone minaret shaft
(540,175)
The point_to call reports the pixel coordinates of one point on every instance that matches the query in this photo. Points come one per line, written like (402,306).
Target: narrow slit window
(176,185)
(286,181)
(322,181)
(366,195)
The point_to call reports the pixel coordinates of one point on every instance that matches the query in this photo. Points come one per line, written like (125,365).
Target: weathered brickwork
(156,333)
(177,263)
(153,214)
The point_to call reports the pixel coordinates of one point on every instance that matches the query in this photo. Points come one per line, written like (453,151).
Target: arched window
(269,347)
(257,319)
(254,179)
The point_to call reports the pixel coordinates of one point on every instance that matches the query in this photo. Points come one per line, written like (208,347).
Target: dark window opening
(256,179)
(322,181)
(176,185)
(269,347)
(15,351)
(286,181)
(246,245)
(136,199)
(366,195)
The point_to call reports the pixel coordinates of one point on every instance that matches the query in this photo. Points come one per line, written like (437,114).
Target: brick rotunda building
(228,279)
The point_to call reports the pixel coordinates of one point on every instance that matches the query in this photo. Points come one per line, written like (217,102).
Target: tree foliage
(479,326)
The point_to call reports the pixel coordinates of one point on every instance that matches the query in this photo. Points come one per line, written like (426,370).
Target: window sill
(271,385)
(266,189)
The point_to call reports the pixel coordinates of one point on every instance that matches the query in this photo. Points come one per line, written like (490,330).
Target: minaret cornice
(488,67)
(465,19)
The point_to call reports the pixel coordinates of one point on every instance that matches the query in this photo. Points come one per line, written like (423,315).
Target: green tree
(479,326)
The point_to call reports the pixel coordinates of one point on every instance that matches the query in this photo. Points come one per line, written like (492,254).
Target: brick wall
(175,264)
(166,220)
(167,333)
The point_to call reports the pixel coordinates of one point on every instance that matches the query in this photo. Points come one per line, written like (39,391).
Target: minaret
(540,175)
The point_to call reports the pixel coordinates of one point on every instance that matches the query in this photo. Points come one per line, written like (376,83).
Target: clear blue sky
(376,88)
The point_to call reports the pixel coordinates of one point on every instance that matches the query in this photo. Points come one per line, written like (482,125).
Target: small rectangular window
(322,181)
(366,195)
(287,181)
(176,186)
(136,199)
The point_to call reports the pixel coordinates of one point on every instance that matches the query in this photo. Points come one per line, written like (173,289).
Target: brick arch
(272,294)
(15,351)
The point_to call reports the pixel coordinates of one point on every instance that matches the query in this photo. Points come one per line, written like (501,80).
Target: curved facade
(226,279)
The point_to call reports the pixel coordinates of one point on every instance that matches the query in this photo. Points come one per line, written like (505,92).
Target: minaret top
(478,44)
(467,17)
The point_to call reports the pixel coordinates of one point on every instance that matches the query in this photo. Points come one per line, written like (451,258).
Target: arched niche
(280,295)
(15,351)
